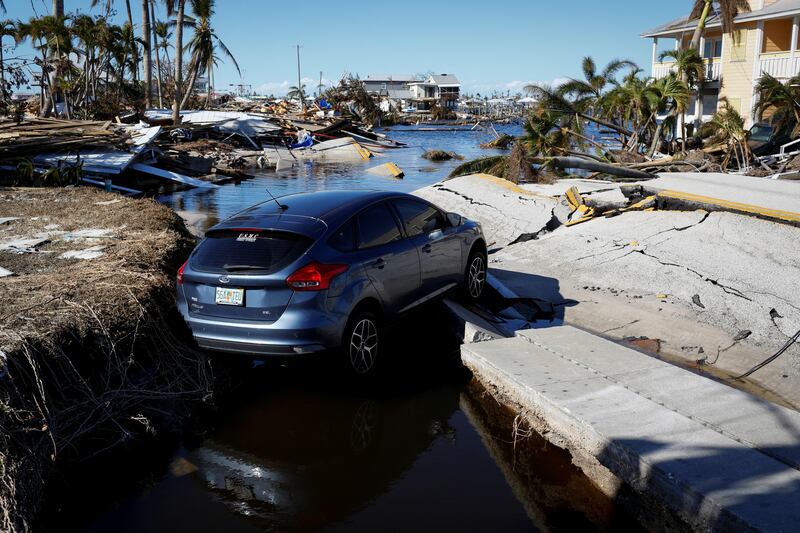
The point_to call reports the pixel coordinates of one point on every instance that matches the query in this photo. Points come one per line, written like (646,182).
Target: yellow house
(766,41)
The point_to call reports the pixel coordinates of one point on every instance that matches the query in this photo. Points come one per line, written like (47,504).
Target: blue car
(325,272)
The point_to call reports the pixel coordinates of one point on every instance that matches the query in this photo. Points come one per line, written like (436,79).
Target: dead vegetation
(441,155)
(91,353)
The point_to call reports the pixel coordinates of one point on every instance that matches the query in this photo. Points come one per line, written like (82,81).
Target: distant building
(392,87)
(442,88)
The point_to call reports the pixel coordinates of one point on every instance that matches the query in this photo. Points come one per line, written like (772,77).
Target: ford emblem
(224,279)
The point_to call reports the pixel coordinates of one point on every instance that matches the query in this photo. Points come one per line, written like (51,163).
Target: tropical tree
(131,38)
(298,93)
(670,96)
(155,46)
(781,99)
(691,69)
(148,54)
(588,93)
(727,10)
(729,126)
(204,46)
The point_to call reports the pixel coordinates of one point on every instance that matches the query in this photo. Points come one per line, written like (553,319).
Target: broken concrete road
(717,290)
(508,213)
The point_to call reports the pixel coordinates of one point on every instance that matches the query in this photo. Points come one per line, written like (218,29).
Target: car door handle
(427,248)
(379,264)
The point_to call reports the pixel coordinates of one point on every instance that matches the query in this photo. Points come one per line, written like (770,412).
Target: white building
(442,88)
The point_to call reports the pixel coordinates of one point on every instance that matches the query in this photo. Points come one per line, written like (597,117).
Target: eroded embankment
(88,344)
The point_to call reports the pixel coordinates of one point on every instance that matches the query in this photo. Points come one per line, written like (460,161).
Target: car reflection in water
(306,459)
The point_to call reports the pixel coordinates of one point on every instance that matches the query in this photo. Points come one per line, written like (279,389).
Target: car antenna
(283,207)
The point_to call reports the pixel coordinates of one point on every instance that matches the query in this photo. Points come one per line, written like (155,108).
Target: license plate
(226,296)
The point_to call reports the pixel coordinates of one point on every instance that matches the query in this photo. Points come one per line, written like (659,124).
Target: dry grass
(92,346)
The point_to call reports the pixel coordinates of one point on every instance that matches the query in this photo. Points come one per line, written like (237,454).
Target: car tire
(475,275)
(361,344)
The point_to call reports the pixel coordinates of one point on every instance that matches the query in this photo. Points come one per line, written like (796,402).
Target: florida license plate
(226,296)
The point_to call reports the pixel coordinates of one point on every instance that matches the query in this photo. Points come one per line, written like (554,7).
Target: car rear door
(236,274)
(439,243)
(390,261)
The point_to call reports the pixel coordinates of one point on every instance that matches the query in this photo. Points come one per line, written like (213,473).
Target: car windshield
(760,132)
(248,250)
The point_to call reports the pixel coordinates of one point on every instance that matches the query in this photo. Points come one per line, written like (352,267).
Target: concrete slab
(506,211)
(585,394)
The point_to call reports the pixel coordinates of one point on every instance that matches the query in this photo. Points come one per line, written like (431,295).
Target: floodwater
(297,447)
(217,204)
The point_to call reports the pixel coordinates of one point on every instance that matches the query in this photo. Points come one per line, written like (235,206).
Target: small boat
(341,150)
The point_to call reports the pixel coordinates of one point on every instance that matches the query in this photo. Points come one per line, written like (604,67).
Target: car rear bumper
(295,333)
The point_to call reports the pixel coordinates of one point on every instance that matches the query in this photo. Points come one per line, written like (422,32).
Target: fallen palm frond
(502,142)
(487,165)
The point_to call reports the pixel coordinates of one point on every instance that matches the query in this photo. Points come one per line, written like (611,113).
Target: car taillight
(180,273)
(314,277)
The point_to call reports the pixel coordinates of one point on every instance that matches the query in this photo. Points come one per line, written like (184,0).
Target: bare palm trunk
(176,108)
(148,54)
(701,26)
(134,51)
(195,71)
(158,57)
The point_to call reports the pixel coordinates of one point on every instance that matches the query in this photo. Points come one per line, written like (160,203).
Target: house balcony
(713,70)
(781,65)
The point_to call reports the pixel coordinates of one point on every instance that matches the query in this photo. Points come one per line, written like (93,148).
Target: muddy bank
(91,354)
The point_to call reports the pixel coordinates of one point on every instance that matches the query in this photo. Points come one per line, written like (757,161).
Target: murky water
(297,448)
(217,204)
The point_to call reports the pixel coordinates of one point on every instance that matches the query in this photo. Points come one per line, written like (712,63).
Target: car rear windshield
(248,251)
(761,133)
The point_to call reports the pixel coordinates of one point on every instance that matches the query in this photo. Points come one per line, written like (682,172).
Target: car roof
(331,207)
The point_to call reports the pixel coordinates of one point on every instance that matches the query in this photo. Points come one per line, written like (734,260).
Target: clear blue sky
(488,45)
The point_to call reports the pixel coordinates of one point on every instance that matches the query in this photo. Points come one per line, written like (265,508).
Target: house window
(713,48)
(710,102)
(777,36)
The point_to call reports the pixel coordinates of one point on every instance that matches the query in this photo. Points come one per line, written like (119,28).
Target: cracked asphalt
(714,288)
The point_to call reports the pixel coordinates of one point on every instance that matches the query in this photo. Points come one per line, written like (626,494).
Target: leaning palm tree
(782,99)
(204,46)
(727,10)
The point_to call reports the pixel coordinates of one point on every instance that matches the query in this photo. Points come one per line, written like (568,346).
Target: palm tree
(297,92)
(148,54)
(153,23)
(134,50)
(728,9)
(670,96)
(783,99)
(691,69)
(729,126)
(588,92)
(177,7)
(204,46)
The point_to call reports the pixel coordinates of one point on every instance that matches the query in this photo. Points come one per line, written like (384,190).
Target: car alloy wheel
(476,276)
(363,346)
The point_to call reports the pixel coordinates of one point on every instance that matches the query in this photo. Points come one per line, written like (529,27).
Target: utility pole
(299,85)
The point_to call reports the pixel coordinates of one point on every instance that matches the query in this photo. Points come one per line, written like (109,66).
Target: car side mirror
(455,219)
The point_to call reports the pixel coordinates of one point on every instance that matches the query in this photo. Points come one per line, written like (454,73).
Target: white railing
(780,67)
(661,70)
(713,70)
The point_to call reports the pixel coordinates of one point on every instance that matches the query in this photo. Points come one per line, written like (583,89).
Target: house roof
(780,9)
(401,78)
(445,79)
